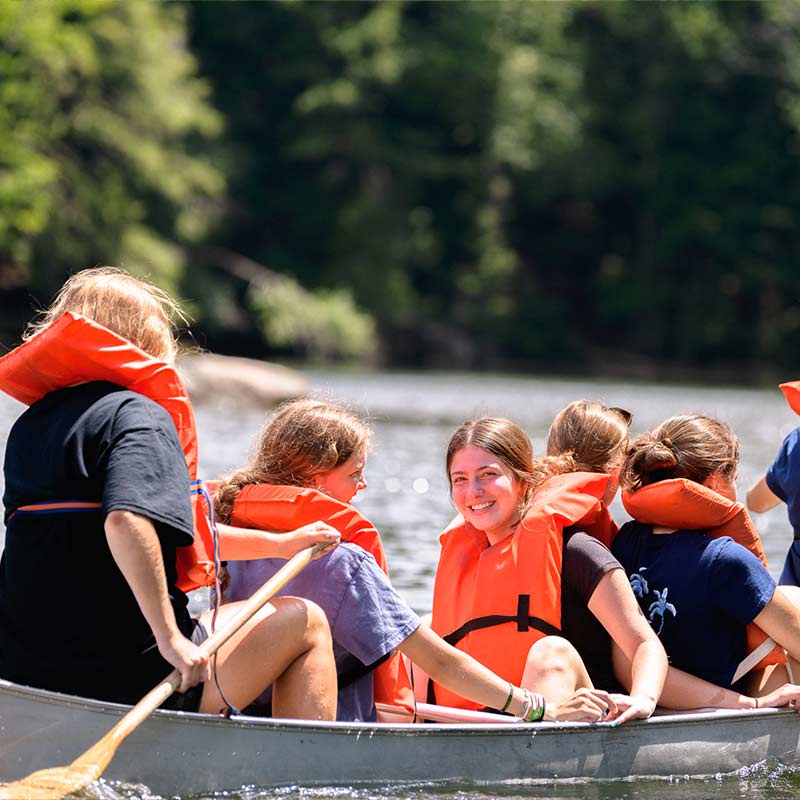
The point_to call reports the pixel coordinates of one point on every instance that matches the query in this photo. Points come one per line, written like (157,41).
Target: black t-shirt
(68,619)
(584,563)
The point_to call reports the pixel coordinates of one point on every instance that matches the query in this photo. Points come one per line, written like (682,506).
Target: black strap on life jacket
(524,620)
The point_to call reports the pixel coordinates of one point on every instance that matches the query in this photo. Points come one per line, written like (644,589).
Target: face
(485,492)
(343,482)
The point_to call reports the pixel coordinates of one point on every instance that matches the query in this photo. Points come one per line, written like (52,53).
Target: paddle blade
(51,784)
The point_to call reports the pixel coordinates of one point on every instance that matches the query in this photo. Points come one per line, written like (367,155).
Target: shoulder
(725,552)
(133,408)
(783,474)
(104,401)
(628,536)
(585,562)
(349,560)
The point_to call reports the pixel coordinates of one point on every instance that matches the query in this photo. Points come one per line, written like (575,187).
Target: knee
(317,624)
(306,618)
(552,652)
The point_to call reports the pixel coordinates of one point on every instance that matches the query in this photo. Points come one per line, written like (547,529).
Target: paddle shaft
(155,697)
(462,716)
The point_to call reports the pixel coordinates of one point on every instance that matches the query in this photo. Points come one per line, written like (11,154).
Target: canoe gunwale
(682,718)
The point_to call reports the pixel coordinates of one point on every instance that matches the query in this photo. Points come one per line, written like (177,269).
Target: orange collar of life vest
(283,508)
(682,504)
(791,391)
(75,350)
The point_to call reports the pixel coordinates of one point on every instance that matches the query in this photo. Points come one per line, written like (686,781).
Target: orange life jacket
(284,508)
(494,602)
(682,504)
(791,391)
(75,350)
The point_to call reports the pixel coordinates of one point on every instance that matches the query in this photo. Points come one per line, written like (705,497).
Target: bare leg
(774,676)
(288,644)
(554,669)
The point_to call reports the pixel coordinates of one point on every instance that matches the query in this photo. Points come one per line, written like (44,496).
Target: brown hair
(301,440)
(132,308)
(506,440)
(691,446)
(590,437)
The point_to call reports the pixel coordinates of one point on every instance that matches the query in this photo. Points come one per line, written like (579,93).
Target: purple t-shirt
(367,616)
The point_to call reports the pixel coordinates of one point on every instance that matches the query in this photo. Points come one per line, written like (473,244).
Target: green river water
(412,415)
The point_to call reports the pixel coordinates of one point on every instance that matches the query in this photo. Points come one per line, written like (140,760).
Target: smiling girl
(498,584)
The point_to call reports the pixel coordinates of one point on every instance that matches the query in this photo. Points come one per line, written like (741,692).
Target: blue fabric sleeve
(740,583)
(373,618)
(783,475)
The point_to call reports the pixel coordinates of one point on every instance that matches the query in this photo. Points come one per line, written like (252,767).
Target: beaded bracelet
(527,704)
(510,696)
(535,713)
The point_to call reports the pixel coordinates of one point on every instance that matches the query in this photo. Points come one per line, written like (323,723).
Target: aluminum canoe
(177,753)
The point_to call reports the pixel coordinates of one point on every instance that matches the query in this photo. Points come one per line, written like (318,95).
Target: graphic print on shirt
(659,607)
(639,583)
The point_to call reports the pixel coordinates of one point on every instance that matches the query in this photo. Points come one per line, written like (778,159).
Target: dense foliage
(606,186)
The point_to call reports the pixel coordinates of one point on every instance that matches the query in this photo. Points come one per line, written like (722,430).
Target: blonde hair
(691,446)
(134,309)
(508,442)
(589,436)
(303,439)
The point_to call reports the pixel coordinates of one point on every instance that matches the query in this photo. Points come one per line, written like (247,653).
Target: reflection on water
(764,782)
(412,416)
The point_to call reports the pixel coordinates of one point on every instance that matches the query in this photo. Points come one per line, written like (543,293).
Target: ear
(721,484)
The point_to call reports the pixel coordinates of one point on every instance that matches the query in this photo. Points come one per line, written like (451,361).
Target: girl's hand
(187,658)
(295,541)
(631,707)
(584,705)
(786,695)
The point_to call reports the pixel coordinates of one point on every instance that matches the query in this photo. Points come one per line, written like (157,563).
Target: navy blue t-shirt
(68,619)
(698,593)
(783,477)
(783,480)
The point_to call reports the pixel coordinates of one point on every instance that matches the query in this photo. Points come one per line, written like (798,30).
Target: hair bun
(659,457)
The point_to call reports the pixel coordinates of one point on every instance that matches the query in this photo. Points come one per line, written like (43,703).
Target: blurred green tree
(101,119)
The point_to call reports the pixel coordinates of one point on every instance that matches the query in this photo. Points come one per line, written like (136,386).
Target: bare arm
(615,606)
(135,547)
(461,673)
(780,619)
(243,544)
(760,497)
(684,691)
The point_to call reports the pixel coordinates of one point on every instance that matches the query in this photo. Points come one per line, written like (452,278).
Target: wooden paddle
(56,782)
